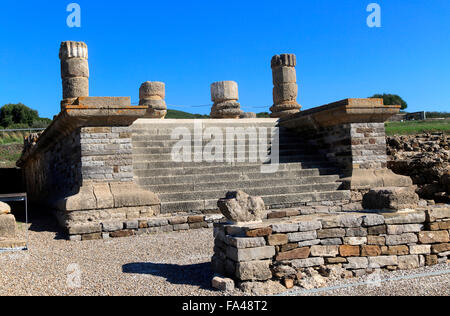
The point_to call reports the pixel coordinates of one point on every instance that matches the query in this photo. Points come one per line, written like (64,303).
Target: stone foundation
(292,250)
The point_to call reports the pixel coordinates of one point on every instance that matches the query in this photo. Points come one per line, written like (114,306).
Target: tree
(13,114)
(391,99)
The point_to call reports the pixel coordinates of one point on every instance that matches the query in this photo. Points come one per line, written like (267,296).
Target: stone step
(283,136)
(236,147)
(239,185)
(145,177)
(217,194)
(168,156)
(212,169)
(302,161)
(271,201)
(141,142)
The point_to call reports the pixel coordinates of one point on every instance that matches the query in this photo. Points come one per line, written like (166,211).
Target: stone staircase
(303,175)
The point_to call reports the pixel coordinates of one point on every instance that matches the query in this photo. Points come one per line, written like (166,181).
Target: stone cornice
(341,112)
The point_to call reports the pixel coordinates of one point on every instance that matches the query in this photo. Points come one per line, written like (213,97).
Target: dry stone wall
(292,250)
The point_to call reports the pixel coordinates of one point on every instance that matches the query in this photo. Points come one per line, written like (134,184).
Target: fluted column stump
(152,94)
(225,95)
(74,71)
(285,89)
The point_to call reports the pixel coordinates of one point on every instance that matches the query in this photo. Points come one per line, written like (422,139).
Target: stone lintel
(341,112)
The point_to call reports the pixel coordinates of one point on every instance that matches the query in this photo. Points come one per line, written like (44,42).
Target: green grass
(415,127)
(12,137)
(9,154)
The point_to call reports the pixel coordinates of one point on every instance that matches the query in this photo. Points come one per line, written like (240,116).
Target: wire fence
(22,130)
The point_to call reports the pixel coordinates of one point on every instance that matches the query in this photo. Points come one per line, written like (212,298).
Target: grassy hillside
(9,154)
(174,114)
(417,127)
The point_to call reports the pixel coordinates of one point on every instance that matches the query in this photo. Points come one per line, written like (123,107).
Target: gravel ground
(164,264)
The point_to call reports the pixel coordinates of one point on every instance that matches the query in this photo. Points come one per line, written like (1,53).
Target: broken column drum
(152,94)
(74,69)
(225,95)
(285,89)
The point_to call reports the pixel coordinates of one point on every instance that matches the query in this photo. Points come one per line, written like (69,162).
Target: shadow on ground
(194,274)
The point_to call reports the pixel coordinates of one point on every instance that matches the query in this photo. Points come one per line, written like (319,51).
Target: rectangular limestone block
(250,254)
(434,237)
(408,262)
(254,270)
(417,217)
(404,239)
(402,229)
(249,242)
(382,261)
(299,253)
(303,236)
(324,251)
(103,102)
(307,263)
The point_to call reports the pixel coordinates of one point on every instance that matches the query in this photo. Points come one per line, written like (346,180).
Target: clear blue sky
(190,44)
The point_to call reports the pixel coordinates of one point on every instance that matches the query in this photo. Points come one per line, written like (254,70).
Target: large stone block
(242,243)
(254,271)
(408,262)
(417,217)
(299,253)
(302,236)
(382,261)
(434,237)
(356,263)
(324,251)
(393,198)
(307,263)
(250,254)
(404,239)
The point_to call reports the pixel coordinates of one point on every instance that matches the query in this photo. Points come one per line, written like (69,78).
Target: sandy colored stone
(300,253)
(239,207)
(4,208)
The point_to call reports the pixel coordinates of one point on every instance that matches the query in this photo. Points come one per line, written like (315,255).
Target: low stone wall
(290,250)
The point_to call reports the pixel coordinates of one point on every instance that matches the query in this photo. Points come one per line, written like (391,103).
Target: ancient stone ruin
(225,95)
(109,169)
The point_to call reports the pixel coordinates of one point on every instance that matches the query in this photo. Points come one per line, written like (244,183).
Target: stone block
(309,226)
(402,229)
(277,240)
(356,232)
(420,249)
(331,233)
(180,227)
(331,241)
(382,261)
(377,230)
(250,254)
(324,251)
(438,214)
(122,234)
(82,229)
(254,271)
(285,228)
(370,251)
(440,248)
(259,232)
(300,253)
(242,243)
(431,260)
(356,263)
(417,217)
(307,263)
(223,284)
(302,236)
(308,243)
(434,237)
(355,241)
(112,226)
(395,250)
(376,240)
(349,251)
(408,262)
(403,239)
(93,236)
(373,220)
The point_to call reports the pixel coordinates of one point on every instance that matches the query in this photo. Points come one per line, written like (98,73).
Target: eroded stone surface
(239,207)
